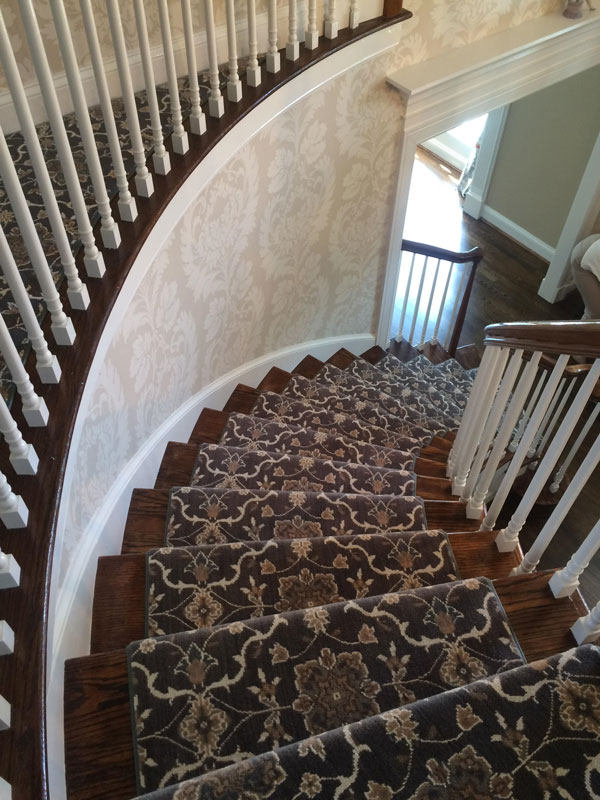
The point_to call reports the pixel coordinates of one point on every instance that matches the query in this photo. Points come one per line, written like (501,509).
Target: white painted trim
(463,83)
(516,232)
(580,220)
(486,161)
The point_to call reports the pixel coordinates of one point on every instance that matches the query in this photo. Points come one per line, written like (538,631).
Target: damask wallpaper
(288,243)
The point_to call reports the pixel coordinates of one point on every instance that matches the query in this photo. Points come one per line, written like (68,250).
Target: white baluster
(4,714)
(35,410)
(46,364)
(13,511)
(179,137)
(109,230)
(76,290)
(160,156)
(62,327)
(126,202)
(486,481)
(292,48)
(428,312)
(23,457)
(555,485)
(234,85)
(508,538)
(477,419)
(556,417)
(456,306)
(7,640)
(216,106)
(331,23)
(521,453)
(406,296)
(565,582)
(436,331)
(587,629)
(528,411)
(253,71)
(10,571)
(491,426)
(354,14)
(143,179)
(546,421)
(418,300)
(311,35)
(197,118)
(478,389)
(93,260)
(273,55)
(5,790)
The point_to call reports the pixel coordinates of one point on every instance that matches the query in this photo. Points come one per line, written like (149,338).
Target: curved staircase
(302,609)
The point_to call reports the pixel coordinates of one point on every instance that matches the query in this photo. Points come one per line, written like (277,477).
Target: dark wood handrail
(420,248)
(574,338)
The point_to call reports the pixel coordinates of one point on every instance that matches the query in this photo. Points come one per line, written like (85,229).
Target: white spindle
(76,290)
(109,230)
(93,260)
(160,155)
(234,85)
(354,14)
(311,35)
(331,23)
(521,453)
(197,118)
(477,418)
(35,410)
(575,566)
(143,179)
(418,300)
(456,306)
(253,71)
(7,641)
(13,511)
(5,790)
(4,714)
(216,106)
(557,414)
(273,55)
(10,571)
(547,417)
(126,202)
(406,296)
(473,404)
(528,411)
(438,322)
(491,426)
(587,629)
(179,137)
(62,327)
(46,364)
(555,485)
(23,457)
(292,47)
(485,482)
(428,312)
(508,538)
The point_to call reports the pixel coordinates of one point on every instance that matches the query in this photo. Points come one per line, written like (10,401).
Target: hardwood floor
(505,290)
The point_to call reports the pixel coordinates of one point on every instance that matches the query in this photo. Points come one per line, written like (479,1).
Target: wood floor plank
(145,525)
(176,466)
(118,615)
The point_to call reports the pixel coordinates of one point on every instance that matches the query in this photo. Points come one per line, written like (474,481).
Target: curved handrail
(574,338)
(457,257)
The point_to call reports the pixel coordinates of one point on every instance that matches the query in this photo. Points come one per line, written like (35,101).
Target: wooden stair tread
(435,352)
(146,518)
(430,467)
(118,615)
(477,555)
(275,380)
(98,743)
(242,399)
(176,466)
(209,426)
(540,621)
(449,516)
(434,488)
(374,354)
(309,367)
(341,359)
(403,350)
(468,356)
(434,453)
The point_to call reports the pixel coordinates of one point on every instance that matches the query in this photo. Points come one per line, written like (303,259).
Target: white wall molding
(486,160)
(516,232)
(463,83)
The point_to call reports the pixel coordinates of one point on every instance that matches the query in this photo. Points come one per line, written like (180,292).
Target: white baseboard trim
(104,533)
(516,232)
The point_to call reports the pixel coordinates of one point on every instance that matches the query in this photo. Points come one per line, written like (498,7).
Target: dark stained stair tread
(274,381)
(242,399)
(119,602)
(145,525)
(468,356)
(308,367)
(176,466)
(373,354)
(341,358)
(209,426)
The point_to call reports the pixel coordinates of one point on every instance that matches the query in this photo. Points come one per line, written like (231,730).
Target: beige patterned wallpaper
(286,244)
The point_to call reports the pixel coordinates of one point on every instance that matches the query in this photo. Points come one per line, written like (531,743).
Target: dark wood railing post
(462,312)
(391,7)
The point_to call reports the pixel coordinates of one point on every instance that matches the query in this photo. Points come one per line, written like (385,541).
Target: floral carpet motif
(458,381)
(270,405)
(531,732)
(198,516)
(210,698)
(197,587)
(242,430)
(222,467)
